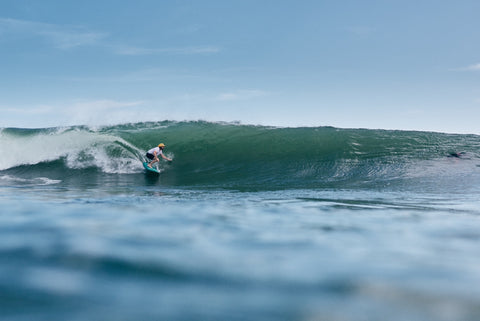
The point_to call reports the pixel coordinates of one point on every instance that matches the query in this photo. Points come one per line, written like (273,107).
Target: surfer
(153,153)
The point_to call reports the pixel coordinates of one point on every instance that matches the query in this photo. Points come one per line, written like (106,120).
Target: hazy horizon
(347,64)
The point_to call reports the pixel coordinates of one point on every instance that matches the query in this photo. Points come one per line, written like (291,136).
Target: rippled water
(247,223)
(183,254)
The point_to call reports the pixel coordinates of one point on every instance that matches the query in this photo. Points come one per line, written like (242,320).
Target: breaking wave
(235,155)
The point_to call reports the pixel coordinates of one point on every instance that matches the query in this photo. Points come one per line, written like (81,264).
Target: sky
(389,64)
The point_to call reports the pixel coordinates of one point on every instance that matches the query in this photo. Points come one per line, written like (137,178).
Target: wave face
(227,155)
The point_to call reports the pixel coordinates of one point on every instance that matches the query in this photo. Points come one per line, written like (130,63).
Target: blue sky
(370,64)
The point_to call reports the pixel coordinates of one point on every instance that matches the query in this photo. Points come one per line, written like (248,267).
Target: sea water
(246,223)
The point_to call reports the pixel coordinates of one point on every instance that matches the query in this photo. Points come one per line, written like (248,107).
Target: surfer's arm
(166,158)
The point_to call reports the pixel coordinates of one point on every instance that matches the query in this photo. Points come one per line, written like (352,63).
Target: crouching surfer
(153,153)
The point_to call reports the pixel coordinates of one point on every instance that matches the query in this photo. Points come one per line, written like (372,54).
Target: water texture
(246,223)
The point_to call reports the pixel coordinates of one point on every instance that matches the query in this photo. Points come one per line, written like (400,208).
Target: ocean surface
(246,223)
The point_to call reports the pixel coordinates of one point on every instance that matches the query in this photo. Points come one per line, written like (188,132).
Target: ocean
(246,223)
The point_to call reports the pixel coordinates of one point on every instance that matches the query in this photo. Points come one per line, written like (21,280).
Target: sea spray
(80,147)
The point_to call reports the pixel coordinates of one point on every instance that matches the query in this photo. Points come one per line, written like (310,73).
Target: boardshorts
(150,156)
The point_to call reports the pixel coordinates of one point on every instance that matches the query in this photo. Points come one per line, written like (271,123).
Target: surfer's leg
(151,163)
(152,158)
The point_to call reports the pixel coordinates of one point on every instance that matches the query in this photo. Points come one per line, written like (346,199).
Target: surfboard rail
(150,169)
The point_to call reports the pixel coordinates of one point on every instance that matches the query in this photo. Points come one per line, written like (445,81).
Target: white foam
(97,157)
(8,179)
(81,148)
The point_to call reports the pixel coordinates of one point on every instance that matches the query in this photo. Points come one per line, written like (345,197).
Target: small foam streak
(8,179)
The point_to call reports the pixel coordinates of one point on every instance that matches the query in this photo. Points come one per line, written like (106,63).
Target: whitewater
(246,223)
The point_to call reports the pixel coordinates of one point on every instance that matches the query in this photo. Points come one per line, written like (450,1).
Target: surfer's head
(161,145)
